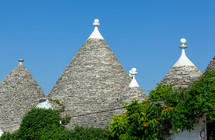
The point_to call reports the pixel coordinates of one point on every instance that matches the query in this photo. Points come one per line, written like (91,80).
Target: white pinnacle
(133,73)
(96,34)
(183,60)
(20,61)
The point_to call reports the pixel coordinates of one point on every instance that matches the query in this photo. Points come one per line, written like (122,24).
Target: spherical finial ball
(183,41)
(134,69)
(96,20)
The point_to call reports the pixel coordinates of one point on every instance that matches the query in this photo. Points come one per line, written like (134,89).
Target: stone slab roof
(211,65)
(94,71)
(93,81)
(19,92)
(182,76)
(184,72)
(134,93)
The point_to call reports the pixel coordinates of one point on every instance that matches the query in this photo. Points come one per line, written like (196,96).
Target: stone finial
(133,73)
(96,34)
(96,23)
(20,61)
(183,41)
(183,60)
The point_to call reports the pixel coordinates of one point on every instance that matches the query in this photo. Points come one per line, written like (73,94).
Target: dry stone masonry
(184,72)
(93,84)
(92,87)
(19,93)
(211,65)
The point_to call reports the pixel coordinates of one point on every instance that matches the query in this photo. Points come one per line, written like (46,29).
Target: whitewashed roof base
(132,74)
(44,103)
(183,60)
(96,34)
(133,83)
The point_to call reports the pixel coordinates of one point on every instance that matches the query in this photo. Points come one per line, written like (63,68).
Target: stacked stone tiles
(211,65)
(19,92)
(182,76)
(92,85)
(134,93)
(184,72)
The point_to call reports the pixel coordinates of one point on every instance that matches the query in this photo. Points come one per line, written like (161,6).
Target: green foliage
(91,133)
(119,125)
(166,111)
(145,120)
(59,103)
(44,124)
(39,122)
(160,93)
(8,136)
(66,120)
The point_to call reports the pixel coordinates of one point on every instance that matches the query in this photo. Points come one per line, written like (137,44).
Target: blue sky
(144,34)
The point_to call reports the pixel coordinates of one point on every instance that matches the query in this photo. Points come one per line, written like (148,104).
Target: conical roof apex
(19,93)
(184,72)
(92,81)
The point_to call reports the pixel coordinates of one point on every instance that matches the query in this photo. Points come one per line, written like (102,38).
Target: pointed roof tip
(183,60)
(133,73)
(21,61)
(21,85)
(96,34)
(184,72)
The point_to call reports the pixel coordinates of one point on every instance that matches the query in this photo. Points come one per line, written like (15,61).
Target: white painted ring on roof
(96,34)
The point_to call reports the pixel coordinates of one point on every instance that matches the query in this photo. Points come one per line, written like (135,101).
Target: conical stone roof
(184,72)
(133,90)
(19,93)
(211,65)
(133,93)
(92,82)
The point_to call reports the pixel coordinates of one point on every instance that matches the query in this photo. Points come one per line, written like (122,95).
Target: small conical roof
(133,90)
(92,80)
(184,72)
(211,65)
(19,93)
